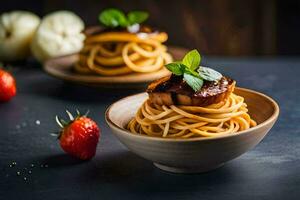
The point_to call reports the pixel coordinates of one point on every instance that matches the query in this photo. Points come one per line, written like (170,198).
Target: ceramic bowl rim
(272,118)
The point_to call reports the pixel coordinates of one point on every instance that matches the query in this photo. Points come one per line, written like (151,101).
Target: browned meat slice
(173,90)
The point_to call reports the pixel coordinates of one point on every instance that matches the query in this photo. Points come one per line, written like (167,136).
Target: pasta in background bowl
(119,52)
(122,52)
(123,45)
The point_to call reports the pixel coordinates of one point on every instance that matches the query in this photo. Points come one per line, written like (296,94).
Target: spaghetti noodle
(226,117)
(118,53)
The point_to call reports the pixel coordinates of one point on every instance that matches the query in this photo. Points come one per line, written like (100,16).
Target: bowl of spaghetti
(186,128)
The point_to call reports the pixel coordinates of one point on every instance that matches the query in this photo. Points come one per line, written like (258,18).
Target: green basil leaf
(189,71)
(137,17)
(176,68)
(209,74)
(193,81)
(113,18)
(192,59)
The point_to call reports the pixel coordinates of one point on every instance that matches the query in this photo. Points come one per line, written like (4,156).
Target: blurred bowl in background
(62,68)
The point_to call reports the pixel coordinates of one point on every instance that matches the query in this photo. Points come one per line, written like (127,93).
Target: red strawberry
(79,137)
(7,86)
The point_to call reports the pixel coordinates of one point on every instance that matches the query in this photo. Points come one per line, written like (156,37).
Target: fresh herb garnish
(193,81)
(192,73)
(113,18)
(209,74)
(116,18)
(192,59)
(137,17)
(176,68)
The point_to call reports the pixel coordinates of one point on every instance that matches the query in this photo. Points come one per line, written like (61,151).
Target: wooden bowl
(61,67)
(195,154)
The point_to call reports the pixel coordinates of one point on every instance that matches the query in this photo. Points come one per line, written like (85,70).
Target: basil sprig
(192,72)
(192,59)
(209,74)
(116,18)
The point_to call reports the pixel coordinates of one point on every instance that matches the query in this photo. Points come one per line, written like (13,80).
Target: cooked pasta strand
(227,117)
(118,53)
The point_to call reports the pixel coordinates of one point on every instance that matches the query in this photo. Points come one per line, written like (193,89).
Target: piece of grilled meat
(173,90)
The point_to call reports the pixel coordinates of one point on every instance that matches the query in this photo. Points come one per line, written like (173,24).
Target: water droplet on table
(13,164)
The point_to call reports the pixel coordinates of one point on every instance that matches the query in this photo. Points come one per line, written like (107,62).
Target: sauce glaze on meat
(174,90)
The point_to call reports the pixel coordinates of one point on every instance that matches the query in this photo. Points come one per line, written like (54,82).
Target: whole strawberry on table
(7,86)
(78,137)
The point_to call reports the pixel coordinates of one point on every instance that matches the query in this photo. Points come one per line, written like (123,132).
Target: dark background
(215,27)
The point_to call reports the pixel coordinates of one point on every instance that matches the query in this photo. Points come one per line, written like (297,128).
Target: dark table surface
(269,171)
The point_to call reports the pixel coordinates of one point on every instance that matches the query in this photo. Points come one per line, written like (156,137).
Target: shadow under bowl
(195,154)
